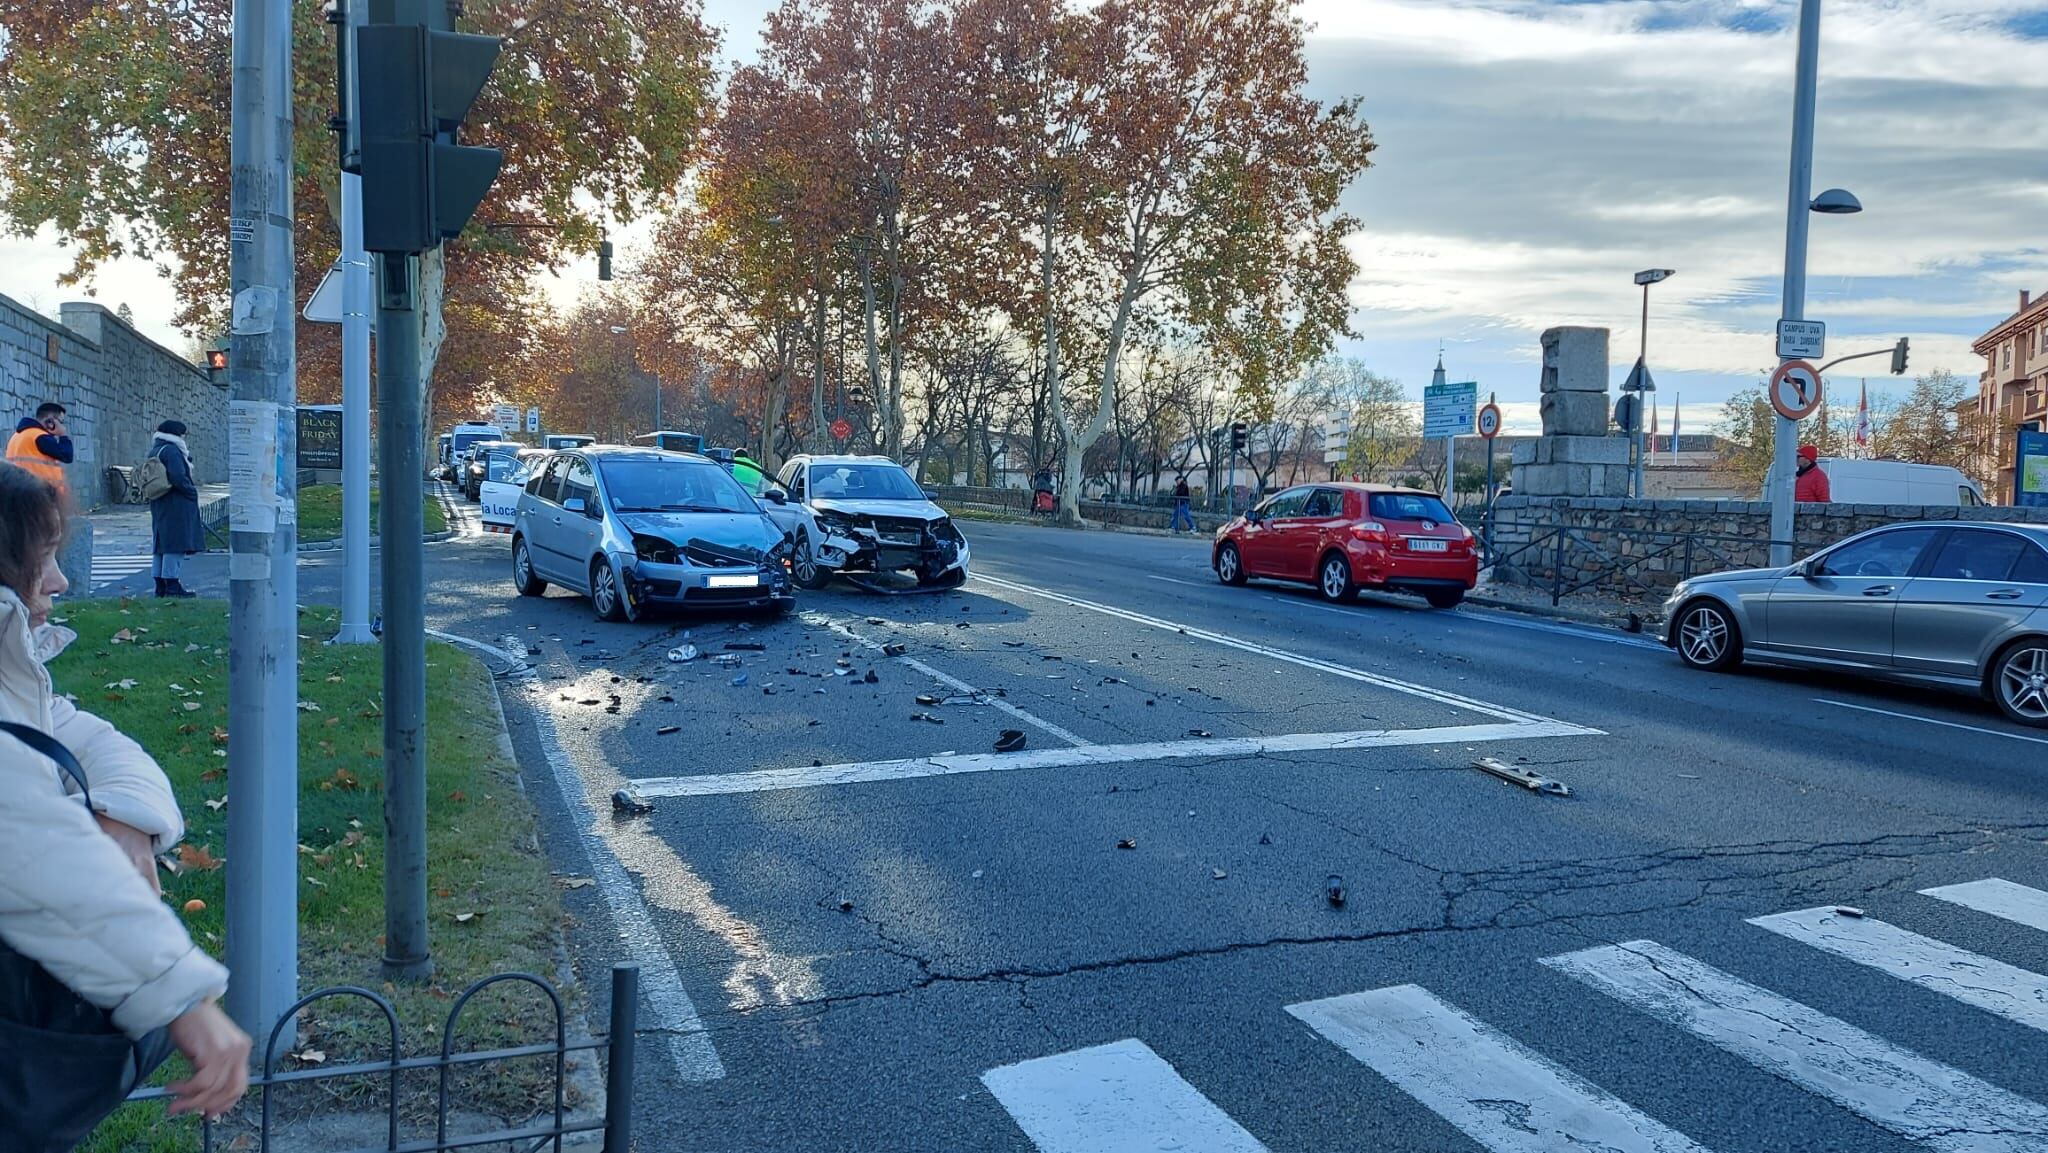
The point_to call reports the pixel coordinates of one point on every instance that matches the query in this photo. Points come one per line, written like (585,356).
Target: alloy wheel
(1336,581)
(1226,565)
(604,590)
(2023,683)
(1704,636)
(522,567)
(805,569)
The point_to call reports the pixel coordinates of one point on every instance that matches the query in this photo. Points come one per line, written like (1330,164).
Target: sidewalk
(120,534)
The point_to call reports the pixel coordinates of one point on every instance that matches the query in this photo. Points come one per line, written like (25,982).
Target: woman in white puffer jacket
(78,889)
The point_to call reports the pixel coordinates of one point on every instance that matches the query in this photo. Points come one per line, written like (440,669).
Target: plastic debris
(739,681)
(1127,843)
(846,906)
(1010,740)
(1200,734)
(1217,874)
(1265,838)
(894,650)
(871,678)
(1848,911)
(1527,778)
(630,804)
(1333,891)
(745,647)
(927,699)
(926,717)
(668,730)
(683,654)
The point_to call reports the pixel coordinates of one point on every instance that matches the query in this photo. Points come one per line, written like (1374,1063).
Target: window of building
(2008,354)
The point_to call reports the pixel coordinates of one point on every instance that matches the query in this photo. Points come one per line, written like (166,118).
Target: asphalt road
(862,930)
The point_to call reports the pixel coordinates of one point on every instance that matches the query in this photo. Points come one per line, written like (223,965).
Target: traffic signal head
(413,84)
(216,360)
(1238,433)
(604,260)
(1899,358)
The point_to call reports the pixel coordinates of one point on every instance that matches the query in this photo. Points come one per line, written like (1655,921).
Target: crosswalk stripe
(1502,1095)
(1992,985)
(1922,1100)
(1999,898)
(1112,1099)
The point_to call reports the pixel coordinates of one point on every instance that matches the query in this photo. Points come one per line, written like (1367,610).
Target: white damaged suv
(865,518)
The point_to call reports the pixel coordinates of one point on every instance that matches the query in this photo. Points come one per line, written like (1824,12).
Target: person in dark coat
(174,527)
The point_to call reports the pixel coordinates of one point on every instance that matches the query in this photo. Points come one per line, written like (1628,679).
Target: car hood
(912,509)
(1746,574)
(736,530)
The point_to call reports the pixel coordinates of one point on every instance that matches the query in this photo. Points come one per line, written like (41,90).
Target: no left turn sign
(1795,390)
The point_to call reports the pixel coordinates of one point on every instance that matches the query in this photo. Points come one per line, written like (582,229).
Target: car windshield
(1409,506)
(673,486)
(863,482)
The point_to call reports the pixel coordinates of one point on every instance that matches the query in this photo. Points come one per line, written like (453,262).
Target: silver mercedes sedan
(1955,603)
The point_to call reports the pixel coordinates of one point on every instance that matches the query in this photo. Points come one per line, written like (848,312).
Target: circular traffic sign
(1795,390)
(1488,421)
(841,429)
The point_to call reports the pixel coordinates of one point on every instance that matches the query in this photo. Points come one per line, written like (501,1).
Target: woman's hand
(219,1053)
(140,847)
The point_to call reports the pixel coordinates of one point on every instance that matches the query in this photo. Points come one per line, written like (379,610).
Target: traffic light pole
(406,954)
(263,655)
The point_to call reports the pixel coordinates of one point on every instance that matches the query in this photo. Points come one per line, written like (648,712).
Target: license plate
(1428,544)
(750,580)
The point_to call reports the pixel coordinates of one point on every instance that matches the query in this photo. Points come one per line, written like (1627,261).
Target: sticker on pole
(1795,390)
(1489,421)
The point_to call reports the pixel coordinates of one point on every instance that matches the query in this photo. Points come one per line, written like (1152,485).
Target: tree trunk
(1105,411)
(819,432)
(433,287)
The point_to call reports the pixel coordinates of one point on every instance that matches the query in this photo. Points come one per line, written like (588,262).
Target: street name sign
(1802,339)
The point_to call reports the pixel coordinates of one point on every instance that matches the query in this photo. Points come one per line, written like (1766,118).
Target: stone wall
(1018,501)
(117,385)
(1642,547)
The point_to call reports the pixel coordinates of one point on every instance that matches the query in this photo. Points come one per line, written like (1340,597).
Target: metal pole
(1642,358)
(618,1080)
(355,415)
(658,426)
(1451,472)
(1798,198)
(263,654)
(406,955)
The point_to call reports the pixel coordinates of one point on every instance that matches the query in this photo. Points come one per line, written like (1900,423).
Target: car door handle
(2004,595)
(1878,591)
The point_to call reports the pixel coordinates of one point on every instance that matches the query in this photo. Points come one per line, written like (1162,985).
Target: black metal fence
(616,1123)
(1567,559)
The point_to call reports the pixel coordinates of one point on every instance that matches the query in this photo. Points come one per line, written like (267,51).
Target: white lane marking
(1933,721)
(946,679)
(1468,616)
(1925,1101)
(669,1004)
(1992,985)
(813,776)
(1113,1098)
(1508,1098)
(1347,672)
(2000,898)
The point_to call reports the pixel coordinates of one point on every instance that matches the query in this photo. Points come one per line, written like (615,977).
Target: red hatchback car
(1344,537)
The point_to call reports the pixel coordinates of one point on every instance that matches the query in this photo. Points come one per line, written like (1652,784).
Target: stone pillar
(1576,457)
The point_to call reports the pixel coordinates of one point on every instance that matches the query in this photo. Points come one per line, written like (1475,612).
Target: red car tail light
(1370,530)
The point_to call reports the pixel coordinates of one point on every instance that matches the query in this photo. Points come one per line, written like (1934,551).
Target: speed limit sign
(1488,421)
(1795,390)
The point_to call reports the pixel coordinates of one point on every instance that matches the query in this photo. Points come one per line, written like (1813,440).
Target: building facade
(2012,391)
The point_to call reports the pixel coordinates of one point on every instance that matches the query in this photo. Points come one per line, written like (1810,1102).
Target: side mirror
(574,504)
(1808,569)
(776,496)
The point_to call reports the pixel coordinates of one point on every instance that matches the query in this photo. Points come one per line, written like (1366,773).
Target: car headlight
(944,530)
(655,550)
(835,523)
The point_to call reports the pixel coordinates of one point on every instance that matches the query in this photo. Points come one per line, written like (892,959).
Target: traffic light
(1238,436)
(412,84)
(604,260)
(1899,358)
(216,363)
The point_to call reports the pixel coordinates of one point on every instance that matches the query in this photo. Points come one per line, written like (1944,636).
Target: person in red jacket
(1812,485)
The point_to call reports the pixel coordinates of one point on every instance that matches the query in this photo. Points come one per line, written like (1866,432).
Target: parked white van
(1899,482)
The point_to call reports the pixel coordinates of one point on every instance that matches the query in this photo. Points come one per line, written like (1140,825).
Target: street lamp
(1640,378)
(1799,202)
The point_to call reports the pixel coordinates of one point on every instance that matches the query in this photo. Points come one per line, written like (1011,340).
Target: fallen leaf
(310,1057)
(124,683)
(458,796)
(220,735)
(335,679)
(191,706)
(309,706)
(217,804)
(120,637)
(213,774)
(466,918)
(576,882)
(198,858)
(316,882)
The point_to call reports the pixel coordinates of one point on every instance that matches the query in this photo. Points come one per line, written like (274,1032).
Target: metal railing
(616,1124)
(1553,550)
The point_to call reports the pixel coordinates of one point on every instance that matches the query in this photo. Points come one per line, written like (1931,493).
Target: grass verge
(159,671)
(320,513)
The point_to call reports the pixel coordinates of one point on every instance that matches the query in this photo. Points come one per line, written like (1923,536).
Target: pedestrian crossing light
(216,362)
(1899,358)
(414,87)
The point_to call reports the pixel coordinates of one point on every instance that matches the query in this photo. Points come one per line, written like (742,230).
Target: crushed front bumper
(934,551)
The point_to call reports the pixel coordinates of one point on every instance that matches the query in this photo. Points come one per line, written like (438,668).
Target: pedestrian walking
(1182,511)
(42,445)
(1811,487)
(99,980)
(174,527)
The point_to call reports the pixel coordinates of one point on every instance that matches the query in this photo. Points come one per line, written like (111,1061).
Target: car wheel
(1230,565)
(1707,637)
(803,567)
(1444,598)
(606,597)
(2019,682)
(1334,581)
(523,578)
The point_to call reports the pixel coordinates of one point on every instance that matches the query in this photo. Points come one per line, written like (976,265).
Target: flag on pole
(1863,418)
(1654,406)
(1675,399)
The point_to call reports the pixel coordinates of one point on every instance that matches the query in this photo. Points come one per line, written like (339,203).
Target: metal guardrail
(616,1125)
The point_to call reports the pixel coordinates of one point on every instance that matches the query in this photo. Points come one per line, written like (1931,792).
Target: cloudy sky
(1535,153)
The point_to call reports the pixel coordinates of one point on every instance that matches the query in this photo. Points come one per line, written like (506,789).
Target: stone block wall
(1643,547)
(117,385)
